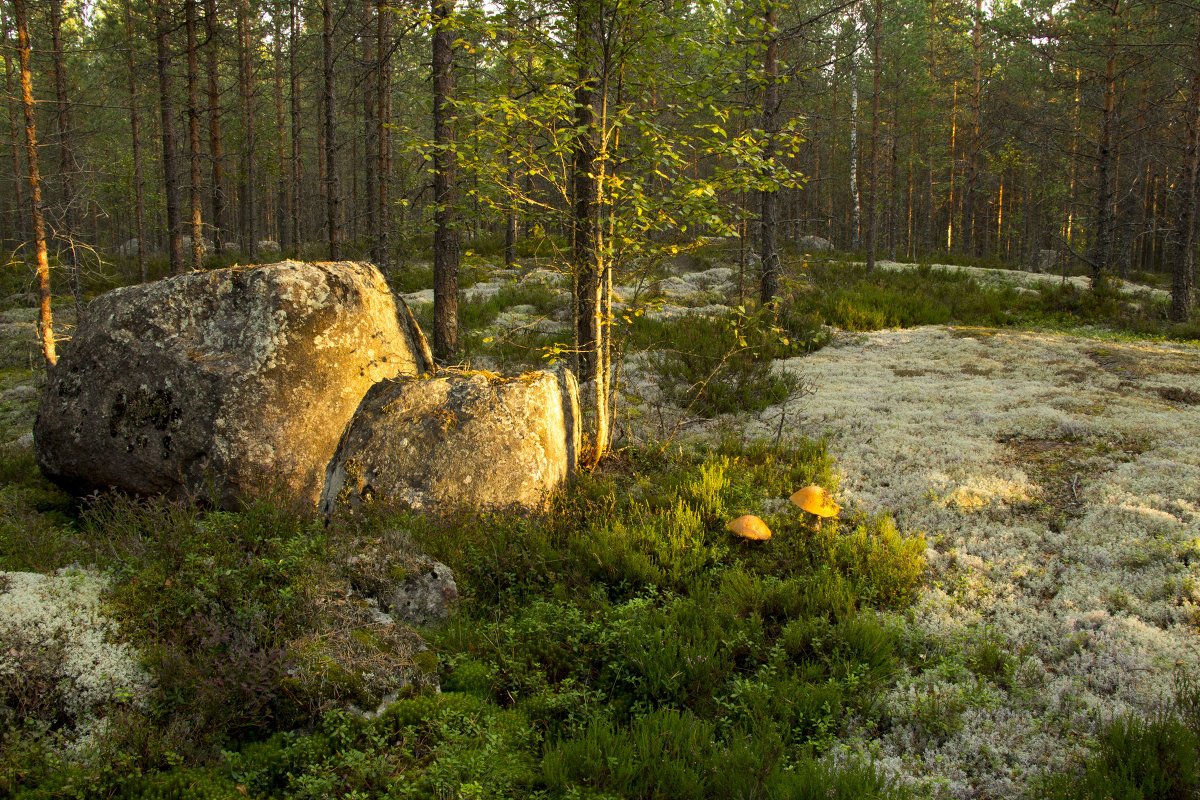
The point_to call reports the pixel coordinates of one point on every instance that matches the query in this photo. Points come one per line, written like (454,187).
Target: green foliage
(1135,759)
(720,366)
(621,644)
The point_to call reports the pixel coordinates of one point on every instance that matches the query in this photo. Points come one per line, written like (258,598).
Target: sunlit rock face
(465,439)
(220,384)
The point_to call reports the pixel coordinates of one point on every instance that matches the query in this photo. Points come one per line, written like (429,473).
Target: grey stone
(425,597)
(130,248)
(1046,260)
(19,394)
(815,244)
(458,439)
(216,384)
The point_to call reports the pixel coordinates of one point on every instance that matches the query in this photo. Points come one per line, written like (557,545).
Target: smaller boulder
(458,439)
(815,244)
(405,583)
(1046,260)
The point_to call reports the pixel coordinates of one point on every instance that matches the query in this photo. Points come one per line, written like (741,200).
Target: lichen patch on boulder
(218,384)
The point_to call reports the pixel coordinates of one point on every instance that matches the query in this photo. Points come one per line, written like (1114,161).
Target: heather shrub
(720,366)
(1135,759)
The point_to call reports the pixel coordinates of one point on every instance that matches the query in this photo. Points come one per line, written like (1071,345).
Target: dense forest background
(906,129)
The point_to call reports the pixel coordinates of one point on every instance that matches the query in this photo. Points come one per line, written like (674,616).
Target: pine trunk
(246,88)
(18,220)
(383,43)
(769,220)
(370,86)
(873,191)
(162,23)
(134,124)
(214,128)
(70,221)
(1183,270)
(1101,249)
(193,87)
(45,321)
(445,236)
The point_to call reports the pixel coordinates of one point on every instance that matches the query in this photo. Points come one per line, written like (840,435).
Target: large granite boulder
(458,439)
(216,384)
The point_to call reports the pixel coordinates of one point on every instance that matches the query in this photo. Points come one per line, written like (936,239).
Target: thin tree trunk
(969,225)
(953,147)
(383,43)
(170,157)
(283,213)
(214,128)
(18,221)
(873,193)
(139,198)
(769,219)
(45,321)
(856,201)
(1183,270)
(66,158)
(1102,240)
(445,236)
(295,132)
(246,87)
(193,86)
(585,200)
(333,204)
(370,124)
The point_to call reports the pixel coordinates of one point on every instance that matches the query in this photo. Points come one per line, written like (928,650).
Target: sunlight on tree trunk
(45,321)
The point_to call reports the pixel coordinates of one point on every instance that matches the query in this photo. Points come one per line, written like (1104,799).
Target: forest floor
(1056,480)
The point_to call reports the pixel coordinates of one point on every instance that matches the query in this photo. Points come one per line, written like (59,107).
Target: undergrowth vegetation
(622,644)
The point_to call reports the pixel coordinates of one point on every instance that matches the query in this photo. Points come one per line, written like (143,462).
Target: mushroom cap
(750,527)
(816,500)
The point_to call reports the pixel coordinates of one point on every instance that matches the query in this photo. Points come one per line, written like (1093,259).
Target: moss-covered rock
(458,439)
(221,383)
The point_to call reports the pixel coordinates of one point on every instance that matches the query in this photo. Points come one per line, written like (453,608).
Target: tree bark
(283,211)
(1101,249)
(873,192)
(445,236)
(585,202)
(969,224)
(855,200)
(246,88)
(214,128)
(295,173)
(193,87)
(70,221)
(18,222)
(45,321)
(135,131)
(383,43)
(333,203)
(167,110)
(370,86)
(769,200)
(1183,269)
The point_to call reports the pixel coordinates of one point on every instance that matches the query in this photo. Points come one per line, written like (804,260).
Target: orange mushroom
(816,500)
(750,527)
